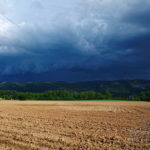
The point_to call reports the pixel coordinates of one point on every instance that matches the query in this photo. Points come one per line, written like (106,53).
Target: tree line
(68,95)
(54,95)
(143,96)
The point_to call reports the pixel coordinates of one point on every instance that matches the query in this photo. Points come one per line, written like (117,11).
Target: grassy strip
(88,100)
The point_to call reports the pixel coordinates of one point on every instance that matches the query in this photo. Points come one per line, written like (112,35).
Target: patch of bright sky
(39,11)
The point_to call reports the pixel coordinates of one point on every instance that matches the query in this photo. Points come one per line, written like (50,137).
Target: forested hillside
(118,89)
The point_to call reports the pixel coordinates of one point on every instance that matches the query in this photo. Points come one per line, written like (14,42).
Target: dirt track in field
(74,125)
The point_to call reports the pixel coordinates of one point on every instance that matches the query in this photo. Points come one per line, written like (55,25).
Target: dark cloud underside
(97,40)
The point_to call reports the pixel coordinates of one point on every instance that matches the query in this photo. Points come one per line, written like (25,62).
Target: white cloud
(5,26)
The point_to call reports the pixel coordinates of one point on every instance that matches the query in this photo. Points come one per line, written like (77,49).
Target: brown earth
(74,125)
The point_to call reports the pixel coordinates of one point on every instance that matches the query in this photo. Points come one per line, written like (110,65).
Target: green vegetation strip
(64,95)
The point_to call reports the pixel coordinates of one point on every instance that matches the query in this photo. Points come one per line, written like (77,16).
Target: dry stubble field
(74,125)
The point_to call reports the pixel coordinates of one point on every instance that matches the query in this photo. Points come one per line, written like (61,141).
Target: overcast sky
(74,40)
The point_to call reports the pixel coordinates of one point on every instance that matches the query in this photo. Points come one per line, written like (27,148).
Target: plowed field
(74,125)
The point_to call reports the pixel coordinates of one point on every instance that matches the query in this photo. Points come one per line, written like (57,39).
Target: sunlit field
(74,125)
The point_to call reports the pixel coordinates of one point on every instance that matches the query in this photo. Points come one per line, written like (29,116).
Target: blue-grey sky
(74,40)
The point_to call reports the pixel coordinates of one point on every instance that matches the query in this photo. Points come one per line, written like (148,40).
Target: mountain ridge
(117,87)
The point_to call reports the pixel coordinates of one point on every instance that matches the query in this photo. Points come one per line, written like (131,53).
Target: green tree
(108,94)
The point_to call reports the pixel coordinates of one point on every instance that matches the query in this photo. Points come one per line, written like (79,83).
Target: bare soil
(32,125)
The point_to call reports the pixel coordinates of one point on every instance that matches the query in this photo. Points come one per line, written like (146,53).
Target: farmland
(74,125)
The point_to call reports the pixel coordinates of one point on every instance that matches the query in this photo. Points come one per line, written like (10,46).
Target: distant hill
(117,88)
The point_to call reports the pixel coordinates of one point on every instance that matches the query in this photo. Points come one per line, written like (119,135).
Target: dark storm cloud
(98,45)
(139,14)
